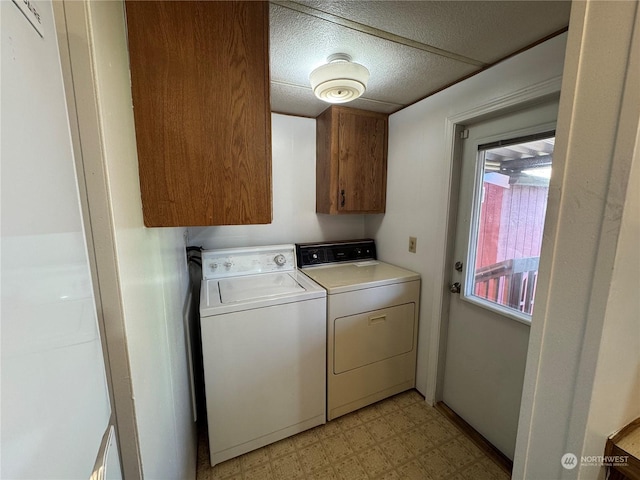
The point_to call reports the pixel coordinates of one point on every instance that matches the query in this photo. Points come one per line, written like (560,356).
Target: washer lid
(301,289)
(241,289)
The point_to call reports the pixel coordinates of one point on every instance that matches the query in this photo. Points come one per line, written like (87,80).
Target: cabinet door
(200,87)
(362,162)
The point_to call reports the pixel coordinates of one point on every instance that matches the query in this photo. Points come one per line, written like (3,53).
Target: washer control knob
(280,259)
(228,264)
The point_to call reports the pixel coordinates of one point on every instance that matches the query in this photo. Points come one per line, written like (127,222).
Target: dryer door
(370,337)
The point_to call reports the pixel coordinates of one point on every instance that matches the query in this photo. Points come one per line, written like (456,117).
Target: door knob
(454,287)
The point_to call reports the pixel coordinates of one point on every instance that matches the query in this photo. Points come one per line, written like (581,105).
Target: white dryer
(372,322)
(263,326)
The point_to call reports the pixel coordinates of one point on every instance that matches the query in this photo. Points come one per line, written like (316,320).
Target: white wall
(615,400)
(419,173)
(294,197)
(151,277)
(581,382)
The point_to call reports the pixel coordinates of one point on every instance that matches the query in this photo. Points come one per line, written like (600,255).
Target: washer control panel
(232,262)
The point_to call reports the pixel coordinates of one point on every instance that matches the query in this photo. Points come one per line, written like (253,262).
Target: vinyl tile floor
(400,438)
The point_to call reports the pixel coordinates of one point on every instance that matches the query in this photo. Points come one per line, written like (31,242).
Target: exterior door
(506,164)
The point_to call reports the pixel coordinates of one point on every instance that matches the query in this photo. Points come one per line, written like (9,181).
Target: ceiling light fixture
(340,80)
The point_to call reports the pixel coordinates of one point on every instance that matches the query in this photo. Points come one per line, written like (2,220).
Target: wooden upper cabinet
(351,161)
(200,87)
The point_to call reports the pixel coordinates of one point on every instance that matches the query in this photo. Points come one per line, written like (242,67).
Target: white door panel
(484,372)
(487,343)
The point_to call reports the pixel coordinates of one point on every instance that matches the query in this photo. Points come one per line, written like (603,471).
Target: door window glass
(508,220)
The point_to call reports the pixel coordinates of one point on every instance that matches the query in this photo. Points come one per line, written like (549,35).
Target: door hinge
(464,133)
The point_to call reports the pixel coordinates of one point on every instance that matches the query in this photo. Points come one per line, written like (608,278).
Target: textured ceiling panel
(483,30)
(399,74)
(295,101)
(411,48)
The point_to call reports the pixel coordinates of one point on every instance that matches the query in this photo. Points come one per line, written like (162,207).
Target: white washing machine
(372,322)
(263,326)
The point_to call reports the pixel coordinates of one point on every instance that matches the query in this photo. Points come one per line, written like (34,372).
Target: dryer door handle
(378,319)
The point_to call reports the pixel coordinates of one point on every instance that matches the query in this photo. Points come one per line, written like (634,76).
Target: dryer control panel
(309,254)
(232,262)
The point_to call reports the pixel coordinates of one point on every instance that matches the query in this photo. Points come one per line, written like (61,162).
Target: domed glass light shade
(340,80)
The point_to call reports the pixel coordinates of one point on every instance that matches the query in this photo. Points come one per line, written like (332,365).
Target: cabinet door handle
(342,199)
(378,319)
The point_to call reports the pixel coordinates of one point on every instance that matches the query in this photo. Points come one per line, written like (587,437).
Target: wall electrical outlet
(412,244)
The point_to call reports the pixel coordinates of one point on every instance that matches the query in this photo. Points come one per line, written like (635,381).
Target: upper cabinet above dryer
(351,161)
(200,87)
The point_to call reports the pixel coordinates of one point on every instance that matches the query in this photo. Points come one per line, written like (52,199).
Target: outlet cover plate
(412,244)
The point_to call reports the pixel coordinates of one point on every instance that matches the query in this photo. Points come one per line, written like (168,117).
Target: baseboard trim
(482,443)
